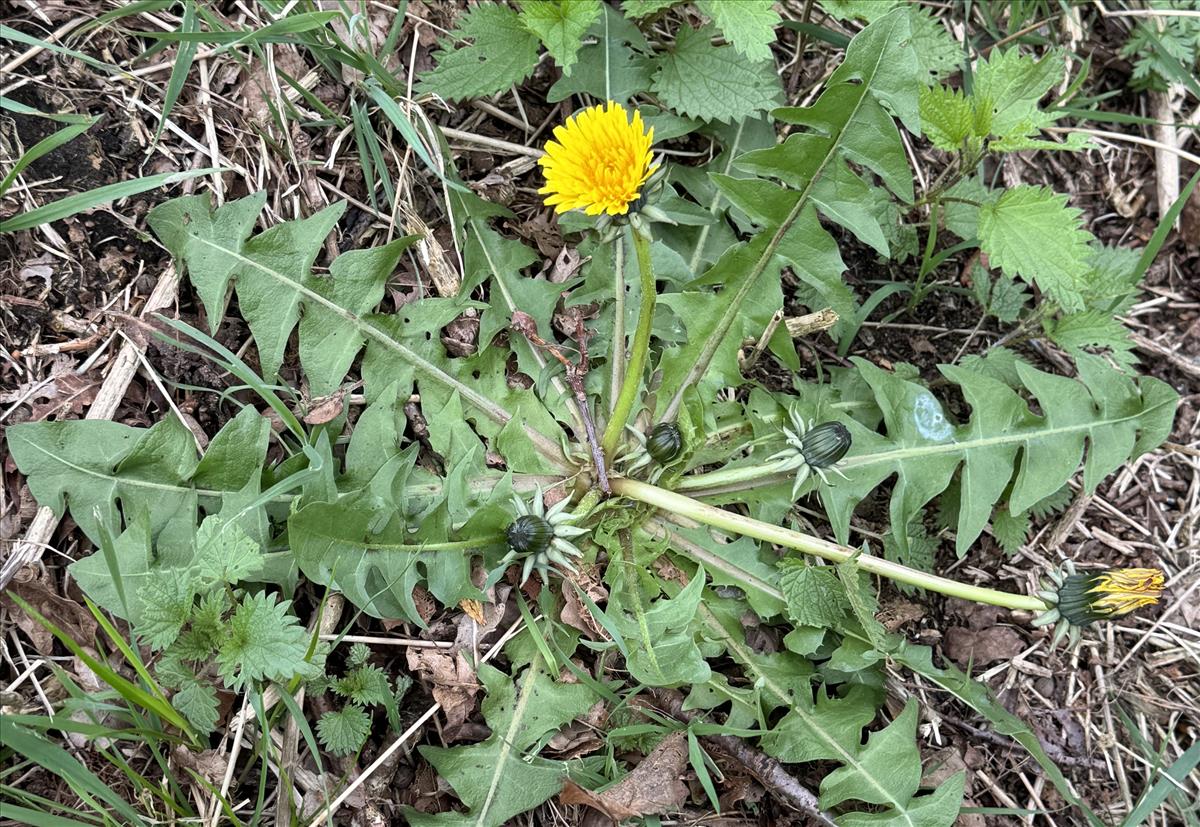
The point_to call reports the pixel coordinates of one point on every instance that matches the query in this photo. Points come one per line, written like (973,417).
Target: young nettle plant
(623,462)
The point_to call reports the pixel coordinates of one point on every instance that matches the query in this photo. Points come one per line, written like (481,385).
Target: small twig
(769,772)
(763,340)
(524,324)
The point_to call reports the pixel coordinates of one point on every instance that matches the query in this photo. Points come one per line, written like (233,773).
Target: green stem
(679,505)
(618,335)
(732,476)
(641,345)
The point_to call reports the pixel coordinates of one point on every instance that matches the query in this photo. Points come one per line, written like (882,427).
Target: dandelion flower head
(598,161)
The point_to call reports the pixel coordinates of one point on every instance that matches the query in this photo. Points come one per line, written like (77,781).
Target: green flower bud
(529,534)
(825,444)
(665,442)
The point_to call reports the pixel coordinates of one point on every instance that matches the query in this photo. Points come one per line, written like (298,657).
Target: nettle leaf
(1030,232)
(496,779)
(814,595)
(560,24)
(262,642)
(344,731)
(502,52)
(645,8)
(1092,330)
(1002,107)
(167,597)
(948,117)
(1114,416)
(1012,84)
(868,10)
(938,53)
(197,701)
(1010,530)
(700,80)
(224,553)
(748,24)
(662,645)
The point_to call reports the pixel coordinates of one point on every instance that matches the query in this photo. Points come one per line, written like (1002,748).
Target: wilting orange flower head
(598,161)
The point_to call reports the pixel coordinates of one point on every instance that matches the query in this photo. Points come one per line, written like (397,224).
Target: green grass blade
(396,115)
(47,144)
(131,692)
(1165,225)
(37,818)
(1173,777)
(85,783)
(181,69)
(21,109)
(9,33)
(72,204)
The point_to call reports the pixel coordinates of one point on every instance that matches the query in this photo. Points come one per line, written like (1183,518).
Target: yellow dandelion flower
(598,161)
(1085,597)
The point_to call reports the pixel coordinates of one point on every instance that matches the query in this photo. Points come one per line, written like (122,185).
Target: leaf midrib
(506,743)
(500,415)
(1021,437)
(811,720)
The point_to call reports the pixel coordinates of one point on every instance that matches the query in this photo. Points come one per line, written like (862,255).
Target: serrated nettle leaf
(814,595)
(868,10)
(1010,530)
(948,118)
(262,642)
(937,52)
(167,596)
(645,8)
(1030,232)
(748,24)
(560,25)
(1094,329)
(700,80)
(502,52)
(225,553)
(344,731)
(1014,83)
(198,703)
(864,603)
(1116,417)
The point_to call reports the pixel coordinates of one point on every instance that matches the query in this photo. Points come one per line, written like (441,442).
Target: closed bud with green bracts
(529,534)
(665,443)
(823,445)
